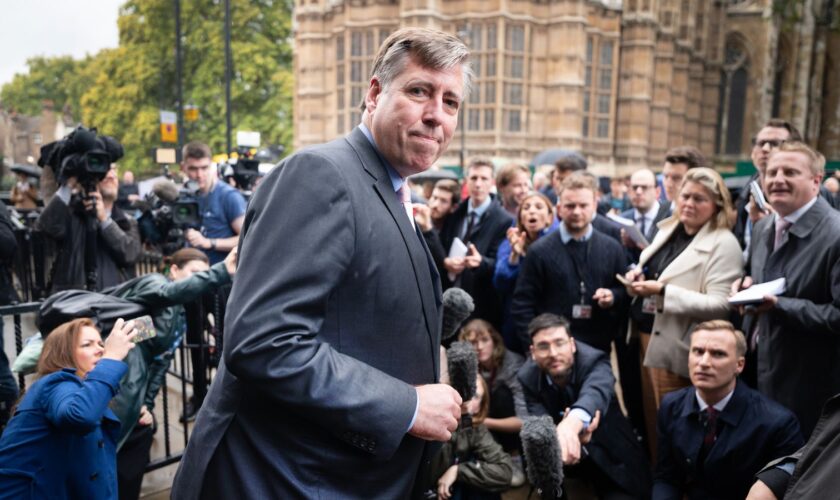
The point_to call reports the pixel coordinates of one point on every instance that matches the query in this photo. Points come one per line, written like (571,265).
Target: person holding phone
(61,441)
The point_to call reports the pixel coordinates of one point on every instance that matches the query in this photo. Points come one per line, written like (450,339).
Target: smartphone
(758,196)
(145,328)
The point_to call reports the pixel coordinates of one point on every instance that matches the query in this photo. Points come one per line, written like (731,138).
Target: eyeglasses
(545,347)
(773,143)
(636,187)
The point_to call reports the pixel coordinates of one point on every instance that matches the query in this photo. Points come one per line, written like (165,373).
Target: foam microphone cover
(542,454)
(167,191)
(463,368)
(457,306)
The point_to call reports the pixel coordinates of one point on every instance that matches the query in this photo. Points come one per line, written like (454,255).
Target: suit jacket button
(688,461)
(656,333)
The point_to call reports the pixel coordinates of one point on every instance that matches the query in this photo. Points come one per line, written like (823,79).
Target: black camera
(83,155)
(167,213)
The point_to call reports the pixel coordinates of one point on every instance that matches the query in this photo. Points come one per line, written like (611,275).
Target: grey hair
(431,49)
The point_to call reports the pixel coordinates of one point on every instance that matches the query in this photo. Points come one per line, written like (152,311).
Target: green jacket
(482,463)
(148,362)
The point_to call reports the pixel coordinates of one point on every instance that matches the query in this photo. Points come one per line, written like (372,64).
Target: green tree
(57,79)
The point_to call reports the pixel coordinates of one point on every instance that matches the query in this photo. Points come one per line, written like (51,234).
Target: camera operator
(222,207)
(84,204)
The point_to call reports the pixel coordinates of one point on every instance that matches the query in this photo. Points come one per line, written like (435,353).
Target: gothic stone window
(733,93)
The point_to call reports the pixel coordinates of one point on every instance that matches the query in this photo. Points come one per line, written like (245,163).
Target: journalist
(61,442)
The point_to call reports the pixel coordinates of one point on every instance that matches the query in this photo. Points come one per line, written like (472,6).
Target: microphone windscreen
(457,306)
(542,455)
(463,369)
(167,191)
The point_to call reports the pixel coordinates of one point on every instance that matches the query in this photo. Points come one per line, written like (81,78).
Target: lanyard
(579,268)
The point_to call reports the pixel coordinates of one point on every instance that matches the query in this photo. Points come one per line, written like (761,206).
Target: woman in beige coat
(682,279)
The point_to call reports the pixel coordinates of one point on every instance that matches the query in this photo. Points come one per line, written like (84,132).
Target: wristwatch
(212,243)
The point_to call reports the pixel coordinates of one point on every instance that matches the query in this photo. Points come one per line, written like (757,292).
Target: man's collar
(566,236)
(719,406)
(396,179)
(798,213)
(479,210)
(650,214)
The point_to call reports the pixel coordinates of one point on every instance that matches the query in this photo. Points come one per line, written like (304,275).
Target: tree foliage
(120,91)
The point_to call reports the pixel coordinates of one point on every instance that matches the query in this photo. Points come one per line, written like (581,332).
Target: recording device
(463,370)
(83,155)
(542,454)
(167,212)
(245,170)
(145,329)
(758,196)
(457,306)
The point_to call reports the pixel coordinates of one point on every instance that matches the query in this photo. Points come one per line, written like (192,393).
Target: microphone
(463,371)
(166,191)
(542,455)
(457,306)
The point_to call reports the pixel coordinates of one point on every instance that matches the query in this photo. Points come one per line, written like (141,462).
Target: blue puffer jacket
(61,443)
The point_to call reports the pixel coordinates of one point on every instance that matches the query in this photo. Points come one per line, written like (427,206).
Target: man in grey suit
(796,332)
(328,383)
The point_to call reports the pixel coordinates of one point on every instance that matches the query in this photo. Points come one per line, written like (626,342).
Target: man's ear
(373,93)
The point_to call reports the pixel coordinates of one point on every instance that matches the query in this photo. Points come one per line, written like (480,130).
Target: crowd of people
(613,312)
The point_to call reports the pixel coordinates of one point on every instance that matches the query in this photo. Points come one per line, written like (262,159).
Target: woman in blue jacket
(61,442)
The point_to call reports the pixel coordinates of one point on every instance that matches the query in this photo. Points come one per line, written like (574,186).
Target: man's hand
(473,258)
(760,491)
(197,240)
(586,435)
(231,261)
(422,216)
(454,265)
(605,298)
(446,481)
(93,203)
(756,214)
(568,436)
(438,412)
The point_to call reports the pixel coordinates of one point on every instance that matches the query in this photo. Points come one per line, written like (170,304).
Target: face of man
(200,171)
(440,204)
(643,190)
(554,351)
(713,363)
(413,119)
(789,182)
(109,185)
(128,177)
(479,182)
(557,179)
(767,140)
(516,190)
(672,177)
(576,208)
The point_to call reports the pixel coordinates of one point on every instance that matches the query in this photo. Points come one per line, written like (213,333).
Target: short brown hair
(452,187)
(60,346)
(687,155)
(508,172)
(196,150)
(572,161)
(780,123)
(815,159)
(480,161)
(722,324)
(580,180)
(184,256)
(548,320)
(478,326)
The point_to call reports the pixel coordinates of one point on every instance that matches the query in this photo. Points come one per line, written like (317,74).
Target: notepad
(756,293)
(631,229)
(458,249)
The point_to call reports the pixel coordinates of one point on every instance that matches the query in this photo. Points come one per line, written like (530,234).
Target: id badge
(581,311)
(649,305)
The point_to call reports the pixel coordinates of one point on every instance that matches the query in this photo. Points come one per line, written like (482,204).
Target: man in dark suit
(573,383)
(646,211)
(796,332)
(715,435)
(327,387)
(481,223)
(571,272)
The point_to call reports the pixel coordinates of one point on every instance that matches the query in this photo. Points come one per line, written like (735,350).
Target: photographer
(97,243)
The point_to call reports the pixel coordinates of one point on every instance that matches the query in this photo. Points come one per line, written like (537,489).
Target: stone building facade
(620,81)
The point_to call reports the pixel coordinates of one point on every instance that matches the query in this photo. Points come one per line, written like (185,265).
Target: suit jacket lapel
(418,254)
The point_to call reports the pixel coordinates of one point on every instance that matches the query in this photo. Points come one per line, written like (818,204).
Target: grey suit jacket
(333,316)
(799,340)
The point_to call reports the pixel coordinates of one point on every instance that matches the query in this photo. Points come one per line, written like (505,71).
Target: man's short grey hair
(430,48)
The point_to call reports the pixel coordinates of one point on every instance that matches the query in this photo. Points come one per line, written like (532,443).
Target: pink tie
(782,226)
(405,193)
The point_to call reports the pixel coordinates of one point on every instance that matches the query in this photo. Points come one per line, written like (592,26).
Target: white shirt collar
(649,215)
(719,406)
(798,213)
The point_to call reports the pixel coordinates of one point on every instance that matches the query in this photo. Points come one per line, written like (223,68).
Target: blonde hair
(713,182)
(816,161)
(722,324)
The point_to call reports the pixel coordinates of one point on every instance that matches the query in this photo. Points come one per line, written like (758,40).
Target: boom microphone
(166,191)
(542,454)
(457,306)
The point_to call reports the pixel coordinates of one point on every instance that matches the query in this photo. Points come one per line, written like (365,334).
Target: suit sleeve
(668,477)
(533,405)
(435,245)
(125,244)
(488,261)
(821,319)
(297,243)
(787,438)
(529,289)
(597,382)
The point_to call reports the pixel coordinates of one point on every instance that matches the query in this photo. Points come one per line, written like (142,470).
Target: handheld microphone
(457,306)
(463,371)
(166,191)
(542,454)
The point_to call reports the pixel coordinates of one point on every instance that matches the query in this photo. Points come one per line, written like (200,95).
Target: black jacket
(614,447)
(487,234)
(8,246)
(548,282)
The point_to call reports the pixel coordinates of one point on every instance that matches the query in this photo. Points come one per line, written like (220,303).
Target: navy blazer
(753,430)
(62,441)
(333,317)
(548,282)
(650,231)
(614,447)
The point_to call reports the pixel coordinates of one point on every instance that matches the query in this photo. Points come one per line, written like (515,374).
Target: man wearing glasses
(646,211)
(573,383)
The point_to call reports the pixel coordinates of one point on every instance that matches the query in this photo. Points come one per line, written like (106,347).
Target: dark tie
(470,223)
(644,220)
(709,417)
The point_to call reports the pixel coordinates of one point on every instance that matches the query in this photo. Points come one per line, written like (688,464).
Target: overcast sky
(52,28)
